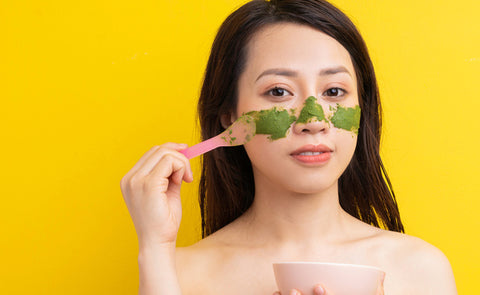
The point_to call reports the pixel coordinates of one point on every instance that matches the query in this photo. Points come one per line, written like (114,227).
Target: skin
(296,213)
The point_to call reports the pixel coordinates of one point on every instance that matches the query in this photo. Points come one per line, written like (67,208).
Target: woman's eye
(334,92)
(278,92)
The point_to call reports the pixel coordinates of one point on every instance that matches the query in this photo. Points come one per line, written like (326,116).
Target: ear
(227,119)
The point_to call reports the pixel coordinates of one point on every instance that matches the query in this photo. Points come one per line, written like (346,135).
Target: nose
(311,117)
(313,126)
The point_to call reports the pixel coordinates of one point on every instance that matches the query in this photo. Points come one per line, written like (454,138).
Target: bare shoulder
(412,249)
(205,251)
(196,265)
(418,266)
(192,263)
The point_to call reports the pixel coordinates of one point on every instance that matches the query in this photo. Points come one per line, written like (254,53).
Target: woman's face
(286,64)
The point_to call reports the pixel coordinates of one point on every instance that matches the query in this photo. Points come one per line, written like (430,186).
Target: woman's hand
(151,190)
(380,290)
(319,290)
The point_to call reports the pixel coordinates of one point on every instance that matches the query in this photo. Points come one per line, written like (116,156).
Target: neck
(281,217)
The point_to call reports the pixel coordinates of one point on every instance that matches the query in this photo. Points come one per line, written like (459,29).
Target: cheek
(346,143)
(258,145)
(247,104)
(262,151)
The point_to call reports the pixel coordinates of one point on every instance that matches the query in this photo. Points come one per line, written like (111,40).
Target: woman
(319,192)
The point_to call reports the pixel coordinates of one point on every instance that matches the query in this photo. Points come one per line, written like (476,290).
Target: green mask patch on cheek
(311,110)
(347,118)
(272,122)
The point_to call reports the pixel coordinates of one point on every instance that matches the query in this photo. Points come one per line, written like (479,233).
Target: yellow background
(87,87)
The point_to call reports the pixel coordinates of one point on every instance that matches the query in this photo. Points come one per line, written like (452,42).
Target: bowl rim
(329,263)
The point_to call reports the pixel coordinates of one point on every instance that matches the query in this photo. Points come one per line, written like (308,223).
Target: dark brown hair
(227,185)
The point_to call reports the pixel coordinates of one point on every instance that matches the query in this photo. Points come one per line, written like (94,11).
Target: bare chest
(252,273)
(236,276)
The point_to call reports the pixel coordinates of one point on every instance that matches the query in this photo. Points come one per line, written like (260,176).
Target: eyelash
(337,88)
(270,92)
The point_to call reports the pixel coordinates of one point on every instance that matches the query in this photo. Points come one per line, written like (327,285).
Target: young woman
(316,192)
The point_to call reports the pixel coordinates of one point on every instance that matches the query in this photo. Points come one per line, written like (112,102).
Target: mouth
(310,149)
(313,154)
(310,153)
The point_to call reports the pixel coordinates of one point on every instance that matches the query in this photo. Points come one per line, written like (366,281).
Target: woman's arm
(151,190)
(157,270)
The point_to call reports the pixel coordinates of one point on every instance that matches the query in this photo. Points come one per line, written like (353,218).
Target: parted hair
(227,188)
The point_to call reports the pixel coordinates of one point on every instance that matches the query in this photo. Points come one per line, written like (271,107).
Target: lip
(319,159)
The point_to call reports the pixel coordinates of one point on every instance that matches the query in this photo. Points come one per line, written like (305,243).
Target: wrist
(157,269)
(146,244)
(166,252)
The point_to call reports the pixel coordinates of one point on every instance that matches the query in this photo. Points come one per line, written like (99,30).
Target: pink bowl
(337,278)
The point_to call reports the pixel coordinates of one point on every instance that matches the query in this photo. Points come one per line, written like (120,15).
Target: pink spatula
(240,132)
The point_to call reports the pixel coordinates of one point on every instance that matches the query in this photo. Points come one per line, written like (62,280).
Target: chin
(310,186)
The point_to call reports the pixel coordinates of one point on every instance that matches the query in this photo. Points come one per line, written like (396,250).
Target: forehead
(299,47)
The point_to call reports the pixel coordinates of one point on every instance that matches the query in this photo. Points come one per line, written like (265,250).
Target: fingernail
(319,290)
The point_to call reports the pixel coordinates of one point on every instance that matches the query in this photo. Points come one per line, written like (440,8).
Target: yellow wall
(87,87)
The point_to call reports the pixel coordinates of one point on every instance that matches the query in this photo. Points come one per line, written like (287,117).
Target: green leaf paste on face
(245,126)
(347,118)
(272,122)
(311,110)
(276,122)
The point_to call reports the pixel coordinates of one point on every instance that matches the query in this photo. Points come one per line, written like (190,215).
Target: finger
(295,292)
(167,175)
(148,154)
(380,289)
(149,164)
(169,145)
(319,290)
(166,181)
(277,293)
(179,173)
(174,151)
(188,176)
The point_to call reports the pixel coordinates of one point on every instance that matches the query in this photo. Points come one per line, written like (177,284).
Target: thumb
(319,290)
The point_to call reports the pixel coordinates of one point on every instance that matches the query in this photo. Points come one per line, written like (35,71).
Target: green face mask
(311,110)
(275,122)
(347,118)
(272,122)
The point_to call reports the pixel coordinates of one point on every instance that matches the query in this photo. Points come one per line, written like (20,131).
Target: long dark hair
(227,185)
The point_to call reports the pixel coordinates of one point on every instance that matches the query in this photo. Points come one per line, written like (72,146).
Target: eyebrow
(333,71)
(291,73)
